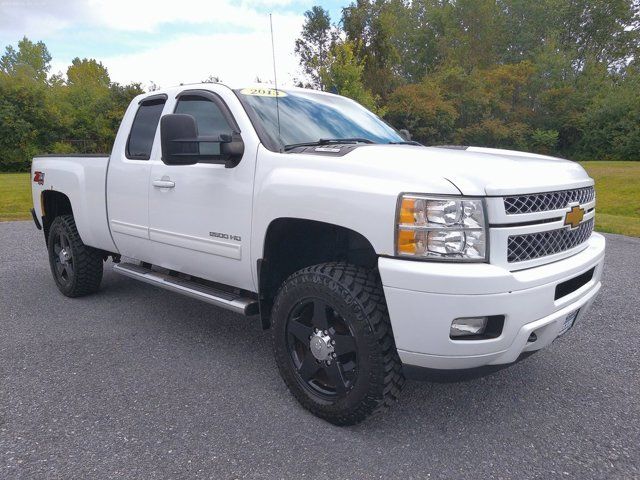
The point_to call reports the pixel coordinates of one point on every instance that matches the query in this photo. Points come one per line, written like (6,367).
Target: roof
(206,86)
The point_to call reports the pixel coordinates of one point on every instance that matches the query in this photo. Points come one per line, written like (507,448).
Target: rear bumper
(425,297)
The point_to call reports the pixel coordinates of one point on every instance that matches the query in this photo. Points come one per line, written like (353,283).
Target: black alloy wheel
(63,257)
(322,348)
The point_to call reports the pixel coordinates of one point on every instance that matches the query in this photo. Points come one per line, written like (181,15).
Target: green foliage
(473,33)
(611,126)
(423,110)
(343,75)
(87,73)
(314,45)
(31,60)
(551,76)
(494,133)
(25,120)
(79,113)
(544,141)
(371,26)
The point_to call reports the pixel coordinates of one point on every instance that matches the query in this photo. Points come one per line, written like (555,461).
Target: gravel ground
(136,382)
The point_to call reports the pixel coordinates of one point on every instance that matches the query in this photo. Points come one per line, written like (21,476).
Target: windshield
(306,116)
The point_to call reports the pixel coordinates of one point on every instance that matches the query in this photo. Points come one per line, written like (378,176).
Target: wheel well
(292,244)
(54,204)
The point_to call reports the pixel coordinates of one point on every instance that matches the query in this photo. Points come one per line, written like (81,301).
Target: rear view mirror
(181,144)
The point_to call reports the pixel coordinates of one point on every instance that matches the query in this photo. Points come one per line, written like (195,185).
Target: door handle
(164,183)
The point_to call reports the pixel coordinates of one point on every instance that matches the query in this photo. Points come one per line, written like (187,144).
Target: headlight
(441,228)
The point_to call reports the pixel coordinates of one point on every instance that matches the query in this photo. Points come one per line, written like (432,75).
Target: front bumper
(425,297)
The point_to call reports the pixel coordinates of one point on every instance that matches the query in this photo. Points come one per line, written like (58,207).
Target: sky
(166,42)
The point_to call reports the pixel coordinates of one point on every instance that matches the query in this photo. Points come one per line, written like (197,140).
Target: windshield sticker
(263,92)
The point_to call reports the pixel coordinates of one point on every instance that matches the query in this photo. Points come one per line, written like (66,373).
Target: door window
(209,118)
(144,129)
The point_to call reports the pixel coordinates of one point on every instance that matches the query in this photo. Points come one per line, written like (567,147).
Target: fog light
(465,327)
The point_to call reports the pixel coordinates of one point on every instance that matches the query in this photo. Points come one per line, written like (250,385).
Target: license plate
(568,322)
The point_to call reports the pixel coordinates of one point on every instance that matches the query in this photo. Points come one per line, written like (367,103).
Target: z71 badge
(225,236)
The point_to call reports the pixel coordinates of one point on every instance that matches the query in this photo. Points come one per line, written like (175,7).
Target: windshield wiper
(327,141)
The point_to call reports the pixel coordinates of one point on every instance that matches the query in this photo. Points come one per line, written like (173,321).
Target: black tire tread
(87,261)
(365,287)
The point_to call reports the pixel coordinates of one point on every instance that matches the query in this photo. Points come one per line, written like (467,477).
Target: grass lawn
(15,196)
(617,196)
(617,185)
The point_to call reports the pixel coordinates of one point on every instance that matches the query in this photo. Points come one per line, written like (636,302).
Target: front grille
(542,202)
(535,245)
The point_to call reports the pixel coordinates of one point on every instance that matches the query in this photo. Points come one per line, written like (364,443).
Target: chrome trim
(531,246)
(498,217)
(426,228)
(500,236)
(238,304)
(546,201)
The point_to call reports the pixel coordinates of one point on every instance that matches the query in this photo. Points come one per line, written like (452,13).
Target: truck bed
(82,178)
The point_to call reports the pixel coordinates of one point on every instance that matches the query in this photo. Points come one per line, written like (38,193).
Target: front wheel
(333,342)
(76,267)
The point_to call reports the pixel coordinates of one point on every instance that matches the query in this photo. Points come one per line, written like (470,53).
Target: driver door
(200,215)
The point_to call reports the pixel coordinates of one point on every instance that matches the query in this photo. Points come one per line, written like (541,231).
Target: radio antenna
(275,78)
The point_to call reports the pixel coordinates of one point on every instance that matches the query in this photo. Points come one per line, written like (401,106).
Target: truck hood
(474,170)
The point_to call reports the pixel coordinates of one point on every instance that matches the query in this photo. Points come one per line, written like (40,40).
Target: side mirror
(181,144)
(405,134)
(231,149)
(178,134)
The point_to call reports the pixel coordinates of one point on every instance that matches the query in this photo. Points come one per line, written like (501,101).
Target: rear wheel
(76,268)
(333,342)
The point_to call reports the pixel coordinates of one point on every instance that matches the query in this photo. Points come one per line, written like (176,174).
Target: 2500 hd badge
(225,236)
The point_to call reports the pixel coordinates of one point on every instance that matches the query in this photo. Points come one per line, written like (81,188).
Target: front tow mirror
(231,148)
(178,134)
(405,134)
(181,144)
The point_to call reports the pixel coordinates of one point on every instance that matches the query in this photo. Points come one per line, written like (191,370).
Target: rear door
(128,177)
(200,221)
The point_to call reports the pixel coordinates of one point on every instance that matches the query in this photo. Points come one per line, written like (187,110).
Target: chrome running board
(214,296)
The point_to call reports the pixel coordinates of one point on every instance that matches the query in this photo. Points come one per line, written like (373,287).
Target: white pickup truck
(370,257)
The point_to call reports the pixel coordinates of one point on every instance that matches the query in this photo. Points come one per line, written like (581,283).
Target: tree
(602,31)
(372,26)
(314,44)
(544,141)
(29,121)
(474,35)
(79,113)
(87,73)
(343,75)
(494,133)
(418,37)
(422,109)
(32,60)
(610,126)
